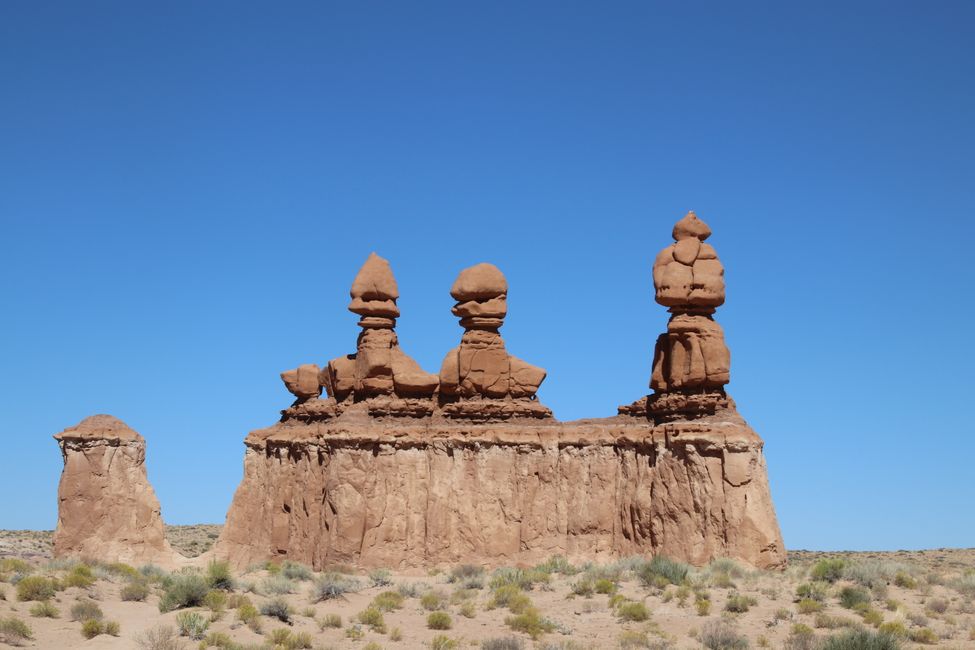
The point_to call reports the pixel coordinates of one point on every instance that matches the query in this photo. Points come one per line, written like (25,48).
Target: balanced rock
(106,507)
(479,379)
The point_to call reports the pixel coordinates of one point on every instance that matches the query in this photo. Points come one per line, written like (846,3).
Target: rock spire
(691,361)
(479,379)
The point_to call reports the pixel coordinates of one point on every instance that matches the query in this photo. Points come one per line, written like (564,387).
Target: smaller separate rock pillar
(479,379)
(107,510)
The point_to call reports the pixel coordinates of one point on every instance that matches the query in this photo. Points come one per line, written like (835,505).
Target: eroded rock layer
(408,493)
(107,509)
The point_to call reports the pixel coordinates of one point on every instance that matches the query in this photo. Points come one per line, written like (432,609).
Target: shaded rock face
(106,507)
(410,495)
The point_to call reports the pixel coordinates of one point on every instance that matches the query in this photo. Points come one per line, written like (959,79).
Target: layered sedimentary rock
(411,493)
(379,372)
(479,379)
(107,509)
(691,363)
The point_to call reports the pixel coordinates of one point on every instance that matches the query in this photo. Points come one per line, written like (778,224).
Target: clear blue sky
(187,190)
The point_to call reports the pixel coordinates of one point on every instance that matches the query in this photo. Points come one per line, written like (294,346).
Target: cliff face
(106,507)
(403,493)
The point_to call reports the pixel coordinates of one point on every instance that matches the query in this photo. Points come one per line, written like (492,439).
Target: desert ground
(850,600)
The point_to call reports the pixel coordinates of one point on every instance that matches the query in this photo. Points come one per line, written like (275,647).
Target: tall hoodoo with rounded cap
(479,379)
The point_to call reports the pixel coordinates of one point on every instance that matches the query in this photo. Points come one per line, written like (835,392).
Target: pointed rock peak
(100,426)
(691,226)
(375,280)
(479,282)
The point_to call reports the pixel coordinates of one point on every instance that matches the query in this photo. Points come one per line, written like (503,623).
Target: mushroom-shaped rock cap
(479,282)
(375,281)
(691,226)
(99,426)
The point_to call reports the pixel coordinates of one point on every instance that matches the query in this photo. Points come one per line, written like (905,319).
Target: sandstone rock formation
(691,361)
(425,492)
(479,379)
(107,509)
(379,371)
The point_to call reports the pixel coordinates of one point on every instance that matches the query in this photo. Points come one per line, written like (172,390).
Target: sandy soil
(913,590)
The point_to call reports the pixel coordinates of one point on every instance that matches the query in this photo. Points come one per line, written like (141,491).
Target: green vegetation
(277,608)
(850,597)
(332,585)
(44,609)
(739,603)
(192,624)
(439,621)
(661,571)
(860,639)
(718,634)
(530,622)
(219,576)
(35,588)
(13,630)
(388,601)
(134,591)
(372,617)
(828,570)
(183,590)
(86,610)
(632,611)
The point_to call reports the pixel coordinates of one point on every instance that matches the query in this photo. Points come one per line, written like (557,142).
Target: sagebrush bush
(219,576)
(503,643)
(91,628)
(557,564)
(330,620)
(183,590)
(163,637)
(192,624)
(739,603)
(813,590)
(584,587)
(439,621)
(632,611)
(86,610)
(809,606)
(531,622)
(442,642)
(111,628)
(372,617)
(332,585)
(860,639)
(509,596)
(44,609)
(380,578)
(388,601)
(850,597)
(13,630)
(134,591)
(924,635)
(295,571)
(801,637)
(35,588)
(433,600)
(277,608)
(662,569)
(277,585)
(468,576)
(828,570)
(524,579)
(718,634)
(80,576)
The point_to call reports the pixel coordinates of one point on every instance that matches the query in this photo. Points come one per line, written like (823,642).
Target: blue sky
(188,189)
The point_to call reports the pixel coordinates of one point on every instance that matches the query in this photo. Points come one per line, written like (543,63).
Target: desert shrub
(13,630)
(661,568)
(183,590)
(35,588)
(557,564)
(134,591)
(295,571)
(279,637)
(80,576)
(832,622)
(192,624)
(739,603)
(809,606)
(86,610)
(44,609)
(277,585)
(524,579)
(443,642)
(584,587)
(721,580)
(433,600)
(154,574)
(860,639)
(380,578)
(218,576)
(964,584)
(530,622)
(160,638)
(469,576)
(893,628)
(3,593)
(850,597)
(703,606)
(468,609)
(606,586)
(718,634)
(439,621)
(92,628)
(503,643)
(813,590)
(354,632)
(219,640)
(828,570)
(923,635)
(396,634)
(388,601)
(248,615)
(330,620)
(509,596)
(937,605)
(332,585)
(801,637)
(121,569)
(871,616)
(111,628)
(277,608)
(905,580)
(874,573)
(372,617)
(632,611)
(15,565)
(301,640)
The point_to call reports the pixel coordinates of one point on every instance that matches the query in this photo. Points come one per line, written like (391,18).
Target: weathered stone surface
(480,371)
(418,493)
(106,507)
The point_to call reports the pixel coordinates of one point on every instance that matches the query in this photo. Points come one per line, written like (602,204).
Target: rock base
(400,492)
